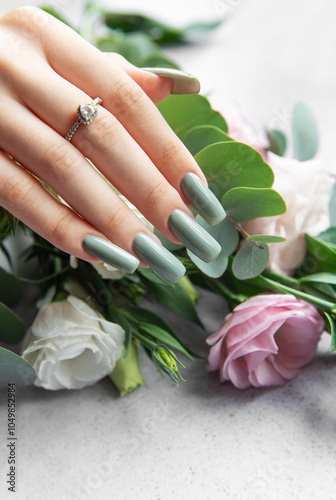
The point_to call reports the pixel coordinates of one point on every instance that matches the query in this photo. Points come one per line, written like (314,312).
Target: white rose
(70,345)
(306,188)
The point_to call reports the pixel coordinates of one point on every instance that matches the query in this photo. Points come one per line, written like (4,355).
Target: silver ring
(86,114)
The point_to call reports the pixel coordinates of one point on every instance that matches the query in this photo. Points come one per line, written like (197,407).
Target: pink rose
(265,341)
(306,188)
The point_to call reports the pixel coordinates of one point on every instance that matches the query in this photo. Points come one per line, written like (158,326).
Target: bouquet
(277,266)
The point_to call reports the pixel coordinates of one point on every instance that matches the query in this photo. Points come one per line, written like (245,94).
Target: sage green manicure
(111,254)
(183,83)
(158,258)
(202,199)
(197,239)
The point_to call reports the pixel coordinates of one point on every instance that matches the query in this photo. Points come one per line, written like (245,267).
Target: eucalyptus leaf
(184,112)
(305,134)
(278,142)
(203,135)
(232,164)
(266,238)
(250,261)
(245,203)
(227,236)
(12,328)
(14,369)
(10,289)
(331,328)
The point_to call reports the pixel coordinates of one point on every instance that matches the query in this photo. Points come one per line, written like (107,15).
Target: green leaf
(136,47)
(164,336)
(232,164)
(332,208)
(278,142)
(227,236)
(328,236)
(250,261)
(245,203)
(184,112)
(305,134)
(160,32)
(266,238)
(10,289)
(12,328)
(140,316)
(176,298)
(329,278)
(153,276)
(14,369)
(158,60)
(203,135)
(331,328)
(324,253)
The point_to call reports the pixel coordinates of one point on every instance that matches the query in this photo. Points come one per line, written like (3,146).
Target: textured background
(203,440)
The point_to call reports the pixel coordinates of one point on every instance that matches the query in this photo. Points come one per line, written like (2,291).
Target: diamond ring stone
(86,113)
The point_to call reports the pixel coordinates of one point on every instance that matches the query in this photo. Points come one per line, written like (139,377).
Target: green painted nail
(183,83)
(202,199)
(158,258)
(197,239)
(111,254)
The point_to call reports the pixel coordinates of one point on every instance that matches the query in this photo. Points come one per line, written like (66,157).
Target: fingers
(99,76)
(107,144)
(64,168)
(23,196)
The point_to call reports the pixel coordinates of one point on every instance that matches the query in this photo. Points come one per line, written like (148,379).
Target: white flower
(108,272)
(70,345)
(306,188)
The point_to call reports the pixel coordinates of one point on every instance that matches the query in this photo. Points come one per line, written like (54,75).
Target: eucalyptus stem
(226,292)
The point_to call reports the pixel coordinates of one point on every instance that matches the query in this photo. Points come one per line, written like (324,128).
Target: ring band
(86,114)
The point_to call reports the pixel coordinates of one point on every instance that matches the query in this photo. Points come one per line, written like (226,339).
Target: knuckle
(171,154)
(156,194)
(128,94)
(61,160)
(16,189)
(61,228)
(106,128)
(115,218)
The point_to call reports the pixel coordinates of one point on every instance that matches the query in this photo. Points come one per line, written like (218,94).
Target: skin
(46,71)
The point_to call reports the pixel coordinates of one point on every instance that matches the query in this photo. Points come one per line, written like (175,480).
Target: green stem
(272,285)
(226,292)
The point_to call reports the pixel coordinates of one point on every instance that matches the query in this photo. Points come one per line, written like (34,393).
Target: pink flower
(306,188)
(265,341)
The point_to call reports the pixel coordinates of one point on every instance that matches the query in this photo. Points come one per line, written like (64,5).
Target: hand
(46,71)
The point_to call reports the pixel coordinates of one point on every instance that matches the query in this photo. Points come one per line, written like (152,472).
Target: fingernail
(202,199)
(197,239)
(183,83)
(158,258)
(111,254)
